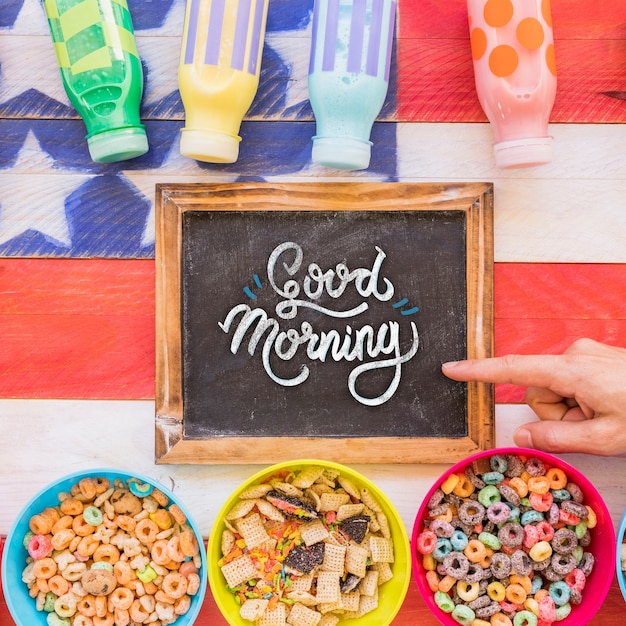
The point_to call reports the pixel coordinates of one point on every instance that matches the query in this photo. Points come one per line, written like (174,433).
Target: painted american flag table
(77,294)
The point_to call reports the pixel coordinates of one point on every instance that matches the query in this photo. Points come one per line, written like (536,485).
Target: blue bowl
(20,604)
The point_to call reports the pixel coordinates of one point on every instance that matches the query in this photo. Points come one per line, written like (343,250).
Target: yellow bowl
(391,593)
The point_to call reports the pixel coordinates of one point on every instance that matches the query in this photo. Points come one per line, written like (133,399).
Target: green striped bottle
(97,54)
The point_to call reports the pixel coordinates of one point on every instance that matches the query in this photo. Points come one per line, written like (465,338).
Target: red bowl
(602,546)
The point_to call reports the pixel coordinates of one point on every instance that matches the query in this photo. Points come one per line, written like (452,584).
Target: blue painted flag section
(107,210)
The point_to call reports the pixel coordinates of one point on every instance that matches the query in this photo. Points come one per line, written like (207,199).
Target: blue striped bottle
(349,77)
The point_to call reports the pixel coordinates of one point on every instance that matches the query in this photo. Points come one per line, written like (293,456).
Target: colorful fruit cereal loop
(541,501)
(520,486)
(448,485)
(463,614)
(45,568)
(475,551)
(515,593)
(426,542)
(464,487)
(541,551)
(496,591)
(557,478)
(525,618)
(121,598)
(547,609)
(444,601)
(500,619)
(39,546)
(432,579)
(576,579)
(468,592)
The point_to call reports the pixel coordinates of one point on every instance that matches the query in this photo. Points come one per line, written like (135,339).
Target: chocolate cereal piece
(305,559)
(349,583)
(291,505)
(355,527)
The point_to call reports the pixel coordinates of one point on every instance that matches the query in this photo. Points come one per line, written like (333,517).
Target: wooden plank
(50,308)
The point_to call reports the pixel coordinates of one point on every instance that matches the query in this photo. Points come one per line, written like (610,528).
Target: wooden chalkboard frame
(474,200)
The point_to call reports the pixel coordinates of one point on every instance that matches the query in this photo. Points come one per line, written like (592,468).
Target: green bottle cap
(118,144)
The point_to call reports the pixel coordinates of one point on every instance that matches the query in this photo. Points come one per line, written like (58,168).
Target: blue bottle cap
(118,144)
(343,153)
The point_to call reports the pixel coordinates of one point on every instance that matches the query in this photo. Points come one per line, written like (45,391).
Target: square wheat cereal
(307,476)
(303,597)
(301,615)
(328,587)
(356,560)
(301,583)
(349,510)
(253,608)
(329,607)
(384,572)
(381,549)
(313,532)
(274,617)
(369,584)
(252,530)
(350,600)
(331,501)
(239,570)
(329,620)
(334,558)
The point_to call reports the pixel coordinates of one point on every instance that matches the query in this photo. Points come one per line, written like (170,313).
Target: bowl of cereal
(516,533)
(307,537)
(104,543)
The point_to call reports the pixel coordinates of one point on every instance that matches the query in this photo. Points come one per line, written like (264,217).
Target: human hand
(579,396)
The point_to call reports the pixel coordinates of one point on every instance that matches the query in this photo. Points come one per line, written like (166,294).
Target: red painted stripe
(76,328)
(436,78)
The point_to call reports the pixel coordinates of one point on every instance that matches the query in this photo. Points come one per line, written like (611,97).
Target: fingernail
(450,364)
(523,438)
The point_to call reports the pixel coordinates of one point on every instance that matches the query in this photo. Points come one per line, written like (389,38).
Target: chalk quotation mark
(248,291)
(401,303)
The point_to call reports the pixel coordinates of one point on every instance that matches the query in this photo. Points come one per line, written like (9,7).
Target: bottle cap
(526,152)
(209,145)
(343,153)
(118,144)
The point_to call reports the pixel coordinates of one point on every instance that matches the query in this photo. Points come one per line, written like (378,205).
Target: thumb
(587,437)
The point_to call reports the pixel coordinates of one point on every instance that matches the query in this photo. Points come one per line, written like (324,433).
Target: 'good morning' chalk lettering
(382,345)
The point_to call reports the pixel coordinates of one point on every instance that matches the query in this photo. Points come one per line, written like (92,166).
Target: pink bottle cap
(526,152)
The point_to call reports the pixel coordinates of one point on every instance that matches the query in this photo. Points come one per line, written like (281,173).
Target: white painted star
(159,49)
(176,169)
(295,55)
(33,193)
(28,58)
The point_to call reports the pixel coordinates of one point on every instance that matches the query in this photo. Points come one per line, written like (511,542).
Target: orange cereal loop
(478,41)
(106,553)
(557,478)
(551,59)
(193,584)
(450,483)
(160,497)
(177,513)
(182,605)
(498,13)
(72,506)
(146,531)
(464,487)
(122,572)
(40,525)
(546,12)
(428,562)
(121,598)
(106,620)
(101,484)
(189,543)
(174,585)
(519,485)
(62,523)
(87,546)
(515,593)
(500,619)
(62,539)
(174,550)
(45,568)
(51,514)
(530,33)
(159,552)
(524,581)
(87,487)
(446,583)
(87,606)
(503,61)
(432,579)
(59,585)
(81,527)
(538,484)
(127,523)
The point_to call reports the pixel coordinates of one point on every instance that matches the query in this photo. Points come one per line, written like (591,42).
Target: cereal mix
(306,548)
(112,554)
(503,543)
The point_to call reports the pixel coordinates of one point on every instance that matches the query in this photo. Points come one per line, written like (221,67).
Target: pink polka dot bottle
(515,72)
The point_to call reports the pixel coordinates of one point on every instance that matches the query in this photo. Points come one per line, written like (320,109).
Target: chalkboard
(311,320)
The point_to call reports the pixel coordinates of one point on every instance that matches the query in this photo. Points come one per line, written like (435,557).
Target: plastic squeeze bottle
(101,71)
(515,72)
(349,77)
(218,74)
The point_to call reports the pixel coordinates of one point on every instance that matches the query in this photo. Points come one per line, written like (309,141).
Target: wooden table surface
(77,238)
